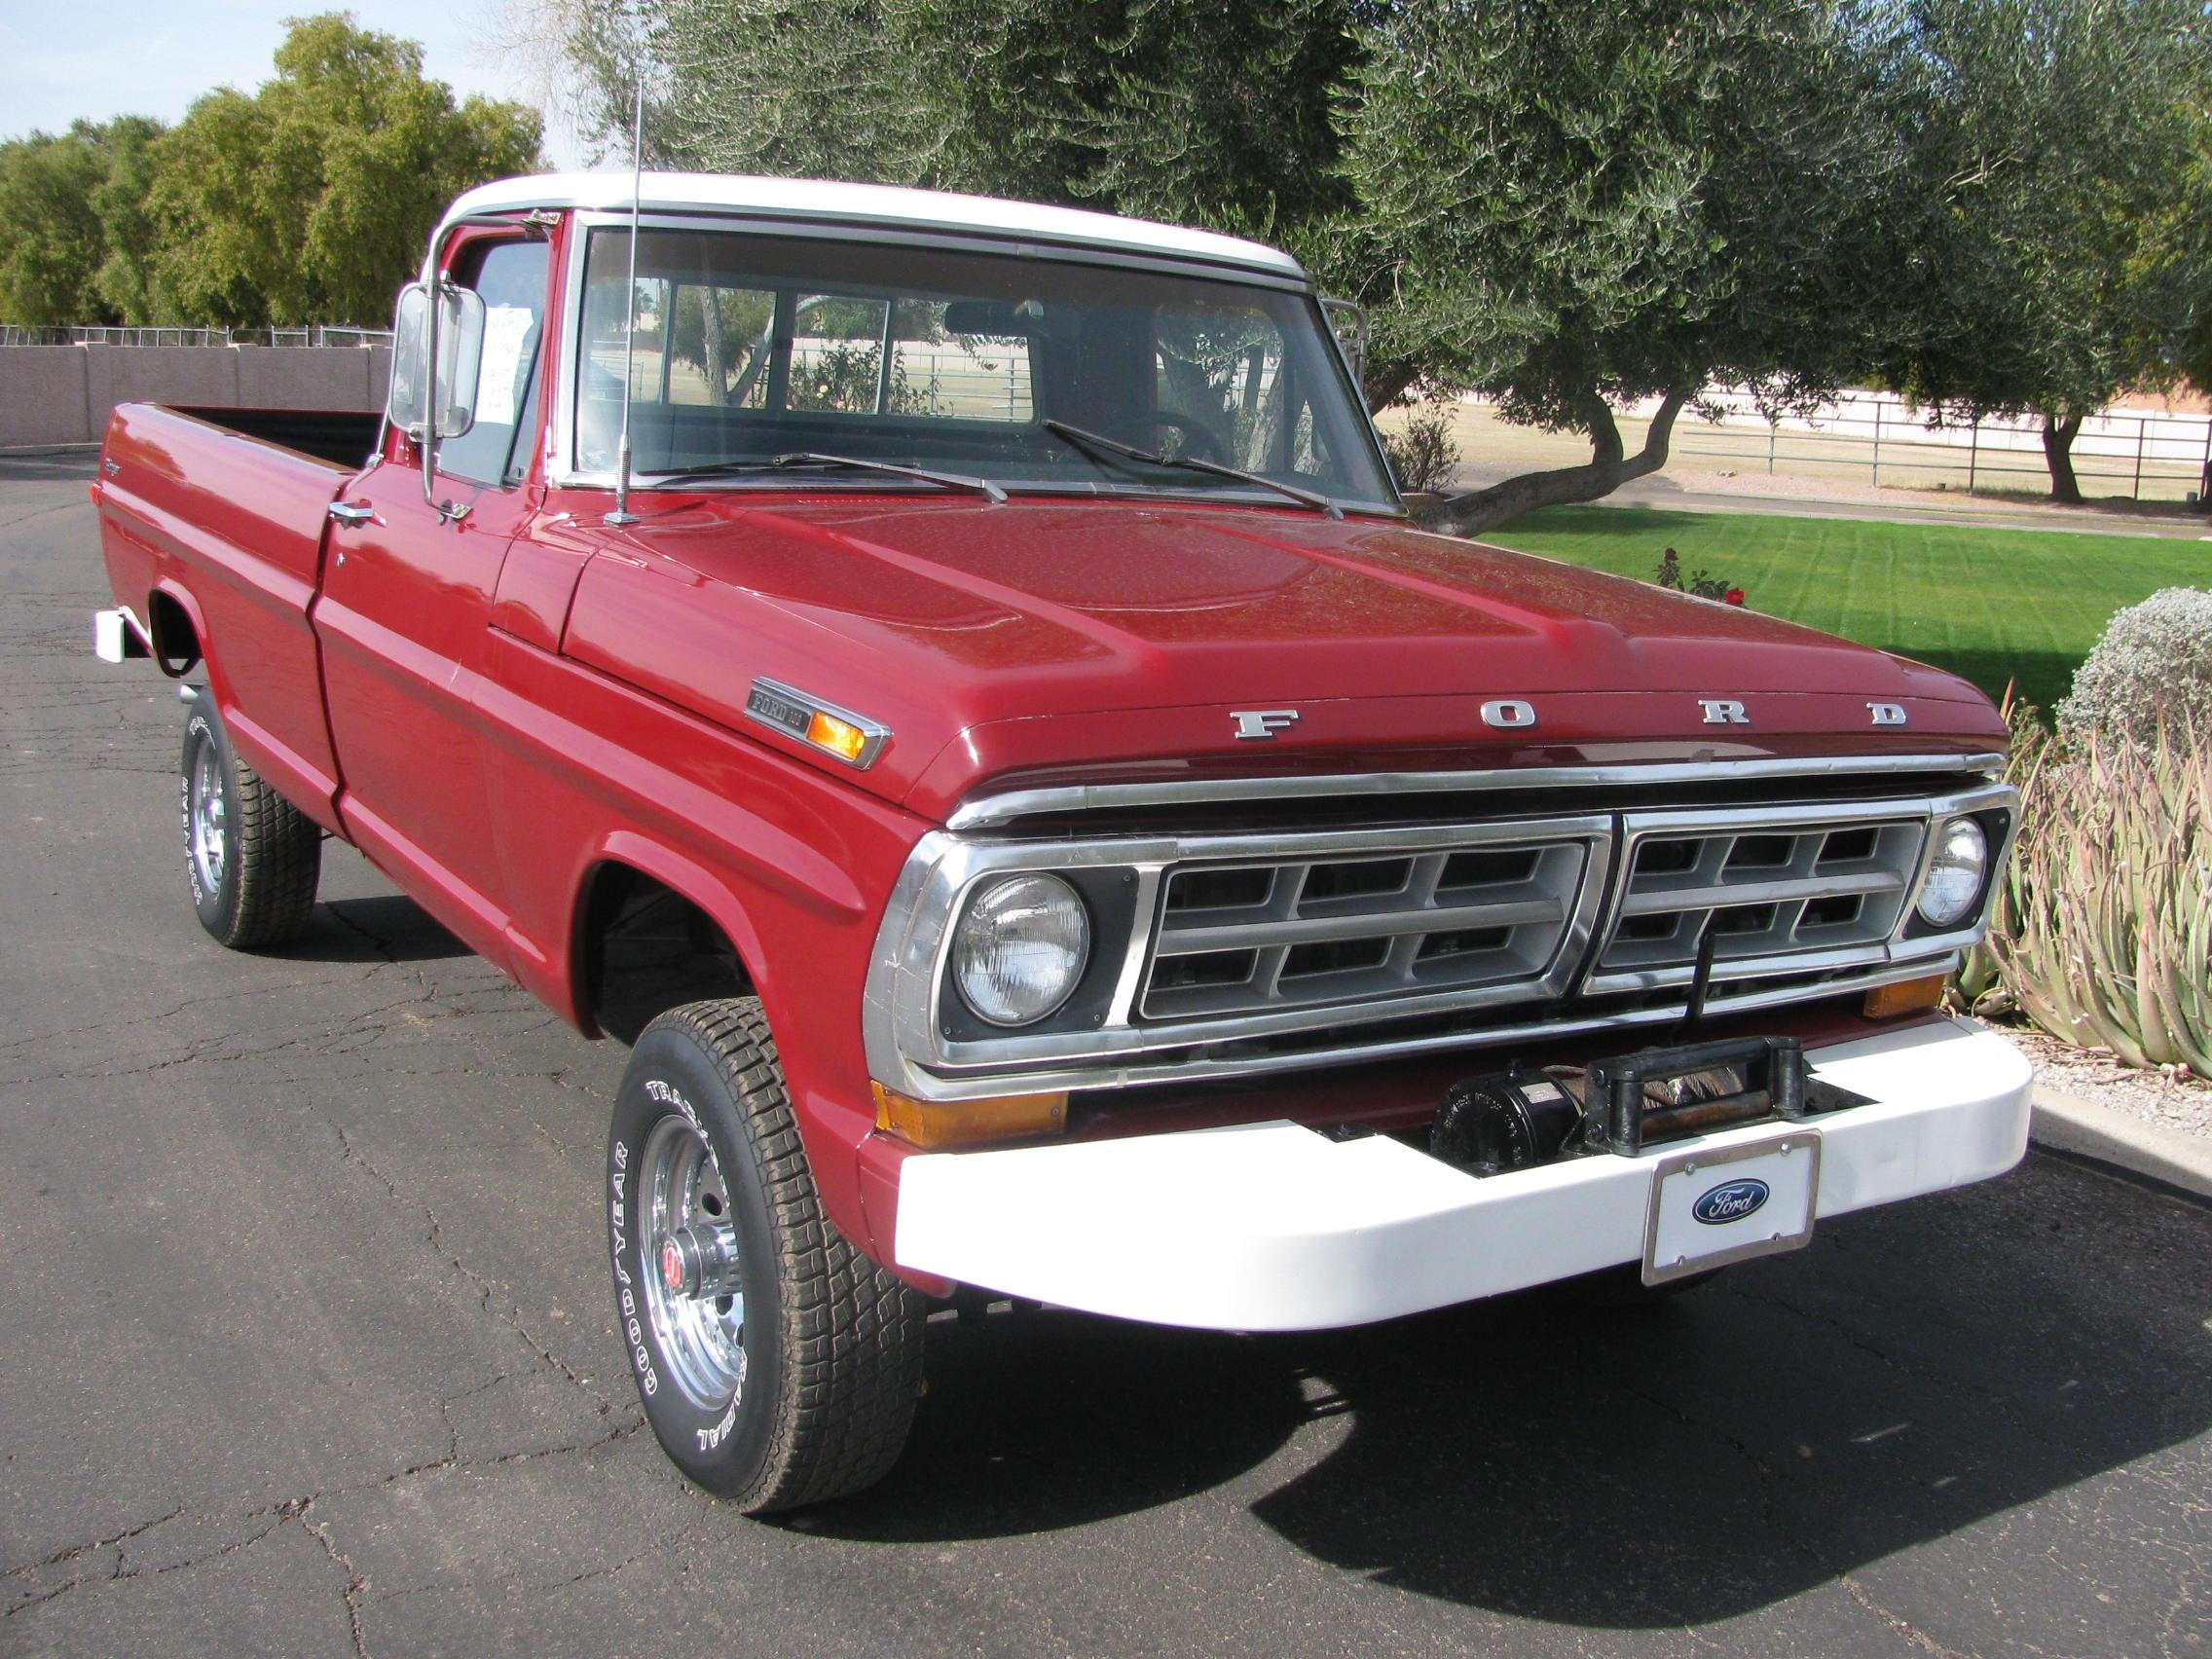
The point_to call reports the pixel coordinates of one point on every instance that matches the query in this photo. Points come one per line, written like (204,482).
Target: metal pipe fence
(74,334)
(2141,454)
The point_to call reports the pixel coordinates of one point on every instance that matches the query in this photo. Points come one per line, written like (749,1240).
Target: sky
(108,58)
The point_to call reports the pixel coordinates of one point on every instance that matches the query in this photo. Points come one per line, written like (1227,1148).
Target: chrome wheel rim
(694,1293)
(209,817)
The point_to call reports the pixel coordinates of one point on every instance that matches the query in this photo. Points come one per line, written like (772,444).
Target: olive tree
(1572,207)
(1578,208)
(2056,252)
(1207,114)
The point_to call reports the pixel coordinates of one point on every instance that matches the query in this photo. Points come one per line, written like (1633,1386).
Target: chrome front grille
(1763,885)
(1295,933)
(1235,951)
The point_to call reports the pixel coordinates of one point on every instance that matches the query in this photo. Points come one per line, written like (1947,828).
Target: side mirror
(1349,322)
(461,353)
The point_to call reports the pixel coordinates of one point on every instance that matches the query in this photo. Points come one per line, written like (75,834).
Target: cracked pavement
(304,1349)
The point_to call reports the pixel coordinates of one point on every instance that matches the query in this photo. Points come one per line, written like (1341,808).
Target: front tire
(777,1365)
(252,860)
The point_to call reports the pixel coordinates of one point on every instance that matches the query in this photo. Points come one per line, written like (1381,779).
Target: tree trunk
(711,344)
(1382,386)
(2058,454)
(1609,467)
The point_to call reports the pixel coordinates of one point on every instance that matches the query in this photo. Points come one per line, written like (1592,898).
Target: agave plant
(2102,929)
(1979,983)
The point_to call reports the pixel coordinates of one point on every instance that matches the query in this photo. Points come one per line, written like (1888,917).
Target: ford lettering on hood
(1156,640)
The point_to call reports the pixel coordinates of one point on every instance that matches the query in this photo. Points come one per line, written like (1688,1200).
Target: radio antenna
(622,513)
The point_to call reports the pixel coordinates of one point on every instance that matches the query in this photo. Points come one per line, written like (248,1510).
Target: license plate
(1714,1208)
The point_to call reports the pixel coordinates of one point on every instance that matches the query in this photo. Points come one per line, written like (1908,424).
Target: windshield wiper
(1082,439)
(805,459)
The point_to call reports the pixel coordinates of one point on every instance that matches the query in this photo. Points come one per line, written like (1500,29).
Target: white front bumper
(1271,1227)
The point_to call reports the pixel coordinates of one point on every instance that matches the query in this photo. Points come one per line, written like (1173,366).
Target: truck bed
(222,512)
(341,437)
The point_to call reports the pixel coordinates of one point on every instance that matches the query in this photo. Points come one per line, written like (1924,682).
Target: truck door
(406,602)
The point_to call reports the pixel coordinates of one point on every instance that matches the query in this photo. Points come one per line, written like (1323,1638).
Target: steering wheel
(1198,440)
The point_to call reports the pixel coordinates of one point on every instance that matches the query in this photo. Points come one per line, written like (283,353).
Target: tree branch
(1607,471)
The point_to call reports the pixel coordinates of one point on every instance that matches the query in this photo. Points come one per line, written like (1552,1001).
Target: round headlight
(1955,876)
(1021,948)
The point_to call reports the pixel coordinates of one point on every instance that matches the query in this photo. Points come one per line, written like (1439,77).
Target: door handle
(350,516)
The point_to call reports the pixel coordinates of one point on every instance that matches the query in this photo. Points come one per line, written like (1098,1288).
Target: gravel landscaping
(2165,1101)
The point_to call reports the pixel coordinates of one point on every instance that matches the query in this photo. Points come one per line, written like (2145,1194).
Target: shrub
(1700,581)
(2102,929)
(1424,455)
(2154,657)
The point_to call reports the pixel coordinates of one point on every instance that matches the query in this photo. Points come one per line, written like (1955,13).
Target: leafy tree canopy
(310,200)
(1564,204)
(52,240)
(1220,114)
(1567,204)
(2056,253)
(1577,207)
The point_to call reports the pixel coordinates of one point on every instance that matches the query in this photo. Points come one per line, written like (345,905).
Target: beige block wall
(61,394)
(43,395)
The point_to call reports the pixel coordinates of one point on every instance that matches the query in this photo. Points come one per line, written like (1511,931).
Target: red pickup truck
(954,685)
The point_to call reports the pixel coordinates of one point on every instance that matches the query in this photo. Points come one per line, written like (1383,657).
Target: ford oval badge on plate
(1728,1204)
(1731,1200)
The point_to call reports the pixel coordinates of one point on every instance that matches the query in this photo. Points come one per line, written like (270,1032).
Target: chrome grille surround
(1604,969)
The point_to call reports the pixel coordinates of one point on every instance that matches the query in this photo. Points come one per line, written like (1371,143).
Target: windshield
(751,347)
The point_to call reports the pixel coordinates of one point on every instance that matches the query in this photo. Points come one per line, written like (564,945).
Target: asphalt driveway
(305,1347)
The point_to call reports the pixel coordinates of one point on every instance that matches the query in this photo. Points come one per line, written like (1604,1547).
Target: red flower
(1734,596)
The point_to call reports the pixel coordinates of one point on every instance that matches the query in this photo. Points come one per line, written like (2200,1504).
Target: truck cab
(953,685)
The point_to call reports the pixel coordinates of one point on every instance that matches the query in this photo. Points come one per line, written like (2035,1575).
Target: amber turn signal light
(1908,996)
(840,738)
(932,1124)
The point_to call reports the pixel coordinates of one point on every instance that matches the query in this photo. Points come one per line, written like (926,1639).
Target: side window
(511,277)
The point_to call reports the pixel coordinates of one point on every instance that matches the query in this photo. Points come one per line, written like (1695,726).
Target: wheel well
(176,642)
(647,949)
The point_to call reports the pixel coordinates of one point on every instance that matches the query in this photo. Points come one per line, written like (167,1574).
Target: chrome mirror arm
(434,285)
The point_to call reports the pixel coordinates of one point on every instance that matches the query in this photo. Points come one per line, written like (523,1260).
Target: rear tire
(777,1365)
(252,860)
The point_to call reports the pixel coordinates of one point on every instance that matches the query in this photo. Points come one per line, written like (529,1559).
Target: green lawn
(1994,605)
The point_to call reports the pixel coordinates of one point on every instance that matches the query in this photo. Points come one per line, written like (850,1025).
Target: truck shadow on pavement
(1915,1372)
(46,466)
(388,926)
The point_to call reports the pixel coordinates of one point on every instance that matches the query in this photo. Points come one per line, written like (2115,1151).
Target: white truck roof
(821,200)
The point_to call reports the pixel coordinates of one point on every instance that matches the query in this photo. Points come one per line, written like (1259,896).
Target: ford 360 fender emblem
(1731,1200)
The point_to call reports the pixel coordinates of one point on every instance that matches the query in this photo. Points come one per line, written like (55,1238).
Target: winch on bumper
(1273,1226)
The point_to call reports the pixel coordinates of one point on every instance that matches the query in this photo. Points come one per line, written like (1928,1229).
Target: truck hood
(1048,641)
